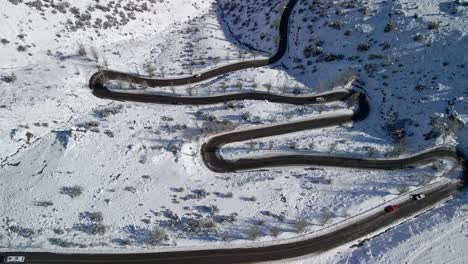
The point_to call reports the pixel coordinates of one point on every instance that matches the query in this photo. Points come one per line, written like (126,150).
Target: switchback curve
(282,48)
(214,161)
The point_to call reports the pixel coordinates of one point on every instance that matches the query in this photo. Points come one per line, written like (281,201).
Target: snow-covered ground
(77,171)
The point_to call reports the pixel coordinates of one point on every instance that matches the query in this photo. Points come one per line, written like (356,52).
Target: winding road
(214,161)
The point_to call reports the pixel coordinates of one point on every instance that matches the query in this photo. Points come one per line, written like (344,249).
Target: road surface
(214,161)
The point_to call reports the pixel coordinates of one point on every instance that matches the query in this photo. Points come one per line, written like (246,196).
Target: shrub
(419,38)
(297,90)
(21,48)
(10,78)
(336,24)
(245,116)
(130,189)
(108,111)
(274,231)
(308,51)
(253,233)
(92,216)
(82,50)
(300,225)
(156,236)
(224,195)
(249,199)
(225,237)
(64,243)
(109,133)
(441,127)
(364,46)
(389,27)
(91,228)
(433,25)
(122,241)
(72,191)
(386,45)
(200,193)
(199,225)
(43,203)
(97,229)
(218,126)
(149,68)
(180,189)
(24,232)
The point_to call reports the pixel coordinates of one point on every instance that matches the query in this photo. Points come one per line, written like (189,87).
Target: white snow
(136,163)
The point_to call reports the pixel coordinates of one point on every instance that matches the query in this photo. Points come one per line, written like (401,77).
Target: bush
(199,225)
(73,191)
(300,225)
(108,111)
(24,232)
(389,27)
(274,231)
(130,189)
(200,193)
(253,233)
(336,24)
(249,199)
(10,78)
(96,229)
(225,237)
(92,216)
(419,38)
(180,189)
(224,195)
(43,203)
(82,50)
(156,236)
(433,25)
(149,68)
(91,228)
(21,48)
(64,243)
(218,126)
(441,127)
(364,46)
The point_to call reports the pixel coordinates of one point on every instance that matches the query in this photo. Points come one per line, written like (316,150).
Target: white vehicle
(13,259)
(418,196)
(320,99)
(197,75)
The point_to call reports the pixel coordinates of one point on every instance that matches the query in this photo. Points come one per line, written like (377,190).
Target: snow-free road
(213,160)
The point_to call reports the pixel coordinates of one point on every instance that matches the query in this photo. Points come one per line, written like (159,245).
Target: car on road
(320,99)
(197,75)
(390,208)
(12,259)
(418,196)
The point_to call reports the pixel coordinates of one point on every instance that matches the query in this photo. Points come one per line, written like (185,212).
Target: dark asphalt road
(282,47)
(214,161)
(318,244)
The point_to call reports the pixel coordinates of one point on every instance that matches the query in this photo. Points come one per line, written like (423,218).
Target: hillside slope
(81,172)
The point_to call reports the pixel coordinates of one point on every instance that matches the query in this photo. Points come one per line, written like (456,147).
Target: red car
(390,208)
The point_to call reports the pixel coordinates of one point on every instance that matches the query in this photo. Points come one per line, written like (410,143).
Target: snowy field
(81,172)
